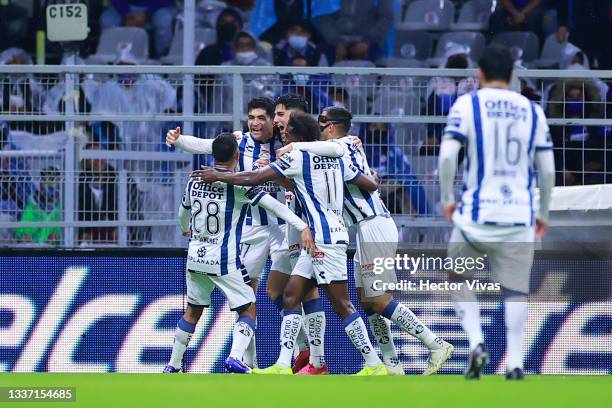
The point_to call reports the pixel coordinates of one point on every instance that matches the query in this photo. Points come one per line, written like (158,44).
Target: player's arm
(184,213)
(447,168)
(244,178)
(355,176)
(321,148)
(190,144)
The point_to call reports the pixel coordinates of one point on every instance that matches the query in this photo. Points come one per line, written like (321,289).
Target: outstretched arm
(244,178)
(365,182)
(281,211)
(320,148)
(190,144)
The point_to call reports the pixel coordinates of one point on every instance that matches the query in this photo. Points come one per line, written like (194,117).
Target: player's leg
(354,326)
(511,263)
(315,323)
(235,286)
(407,321)
(254,251)
(467,307)
(199,288)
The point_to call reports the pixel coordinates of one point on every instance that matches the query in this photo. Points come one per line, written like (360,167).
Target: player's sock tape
(388,312)
(248,321)
(185,326)
(313,306)
(350,319)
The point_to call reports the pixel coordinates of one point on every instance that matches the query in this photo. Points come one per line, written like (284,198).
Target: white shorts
(377,238)
(235,287)
(259,243)
(510,260)
(293,242)
(327,266)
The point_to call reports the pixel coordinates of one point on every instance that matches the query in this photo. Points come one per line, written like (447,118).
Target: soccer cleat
(309,369)
(168,369)
(301,360)
(273,369)
(394,367)
(438,357)
(378,370)
(233,365)
(479,357)
(516,374)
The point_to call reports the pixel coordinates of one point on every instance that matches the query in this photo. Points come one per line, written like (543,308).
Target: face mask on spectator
(301,79)
(576,65)
(126,78)
(298,42)
(226,32)
(573,107)
(245,57)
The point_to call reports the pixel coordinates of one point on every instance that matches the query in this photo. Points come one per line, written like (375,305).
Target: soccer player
(319,186)
(377,237)
(310,359)
(263,233)
(504,135)
(213,214)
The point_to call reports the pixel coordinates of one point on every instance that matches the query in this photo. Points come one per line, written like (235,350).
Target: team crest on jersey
(506,191)
(201,252)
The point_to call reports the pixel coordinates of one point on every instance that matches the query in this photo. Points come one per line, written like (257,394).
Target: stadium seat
(203,37)
(413,44)
(473,40)
(112,37)
(474,16)
(524,41)
(428,15)
(395,103)
(552,52)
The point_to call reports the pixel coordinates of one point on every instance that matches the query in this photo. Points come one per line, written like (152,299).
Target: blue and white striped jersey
(319,186)
(501,130)
(217,213)
(250,152)
(359,204)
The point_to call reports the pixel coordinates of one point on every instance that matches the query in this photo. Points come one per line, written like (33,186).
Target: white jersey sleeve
(195,145)
(290,165)
(458,123)
(329,148)
(350,171)
(542,138)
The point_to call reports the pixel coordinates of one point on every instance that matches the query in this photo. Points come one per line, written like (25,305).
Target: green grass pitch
(251,391)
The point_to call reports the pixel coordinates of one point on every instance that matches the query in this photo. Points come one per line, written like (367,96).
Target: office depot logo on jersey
(100,313)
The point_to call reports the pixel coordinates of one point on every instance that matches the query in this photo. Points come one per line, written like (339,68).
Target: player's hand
(448,211)
(206,174)
(307,241)
(284,150)
(375,176)
(357,142)
(261,163)
(187,234)
(172,136)
(541,229)
(237,134)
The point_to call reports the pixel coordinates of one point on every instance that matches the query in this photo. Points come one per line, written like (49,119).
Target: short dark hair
(292,101)
(303,126)
(339,116)
(497,63)
(262,103)
(224,147)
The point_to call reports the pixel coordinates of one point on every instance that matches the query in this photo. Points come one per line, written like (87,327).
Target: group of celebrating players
(289,188)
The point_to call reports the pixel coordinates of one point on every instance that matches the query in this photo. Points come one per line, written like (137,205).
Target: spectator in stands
(14,25)
(142,13)
(298,43)
(518,15)
(400,188)
(131,93)
(43,205)
(97,199)
(244,7)
(358,30)
(15,186)
(229,23)
(288,13)
(246,52)
(587,22)
(21,93)
(314,88)
(580,156)
(443,92)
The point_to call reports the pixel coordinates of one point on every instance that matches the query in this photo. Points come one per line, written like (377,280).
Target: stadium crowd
(556,34)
